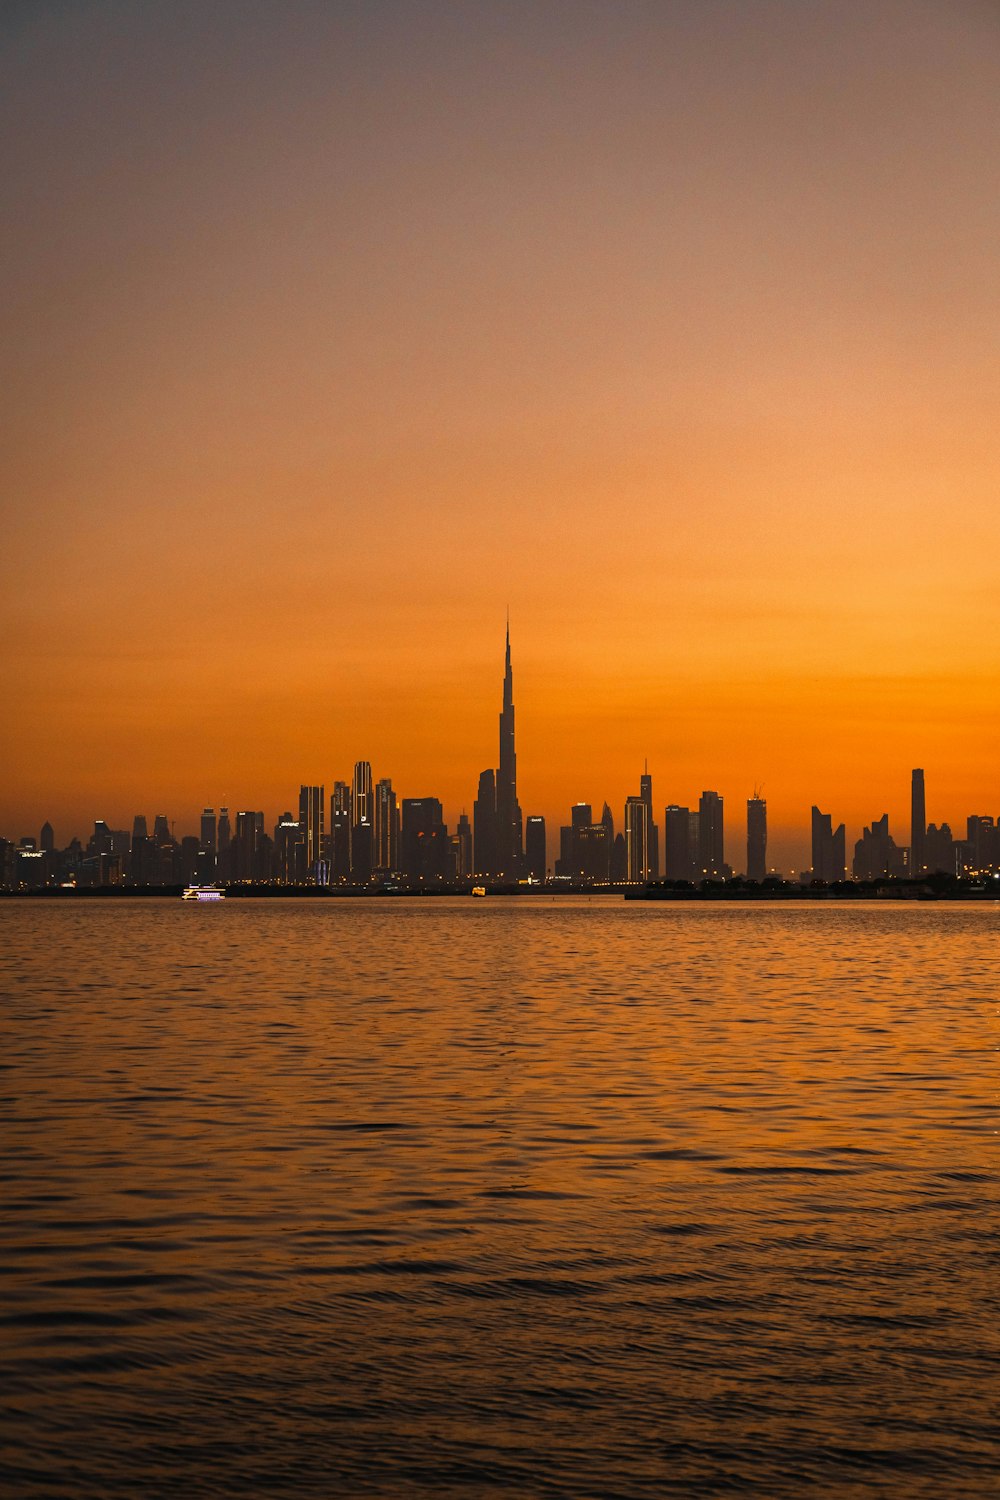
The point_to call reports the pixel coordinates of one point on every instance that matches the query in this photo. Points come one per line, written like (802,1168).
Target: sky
(331,331)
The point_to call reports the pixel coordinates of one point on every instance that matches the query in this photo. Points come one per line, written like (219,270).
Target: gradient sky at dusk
(330,330)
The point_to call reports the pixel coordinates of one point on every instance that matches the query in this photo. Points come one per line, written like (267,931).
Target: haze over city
(366,839)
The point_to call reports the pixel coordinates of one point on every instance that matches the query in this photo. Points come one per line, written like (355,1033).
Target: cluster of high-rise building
(366,837)
(693,841)
(933,848)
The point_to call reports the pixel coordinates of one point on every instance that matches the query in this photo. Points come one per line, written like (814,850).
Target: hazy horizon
(333,330)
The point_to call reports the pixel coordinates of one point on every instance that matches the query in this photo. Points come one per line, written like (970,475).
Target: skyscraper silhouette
(876,853)
(594,853)
(646,793)
(362,853)
(362,806)
(312,800)
(941,853)
(386,826)
(581,815)
(638,837)
(247,841)
(535,848)
(142,861)
(509,821)
(918,824)
(461,842)
(362,819)
(982,843)
(289,849)
(423,840)
(756,838)
(340,831)
(225,840)
(829,850)
(711,838)
(484,825)
(678,855)
(208,831)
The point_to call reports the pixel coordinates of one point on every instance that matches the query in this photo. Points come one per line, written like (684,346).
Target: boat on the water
(203,893)
(479,890)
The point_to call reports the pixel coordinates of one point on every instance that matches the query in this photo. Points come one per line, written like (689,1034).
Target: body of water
(511,1197)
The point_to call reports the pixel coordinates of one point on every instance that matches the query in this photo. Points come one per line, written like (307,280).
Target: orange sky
(330,330)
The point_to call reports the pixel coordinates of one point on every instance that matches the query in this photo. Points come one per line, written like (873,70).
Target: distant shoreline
(943,889)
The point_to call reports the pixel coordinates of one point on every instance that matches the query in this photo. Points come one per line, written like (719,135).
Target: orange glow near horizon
(329,335)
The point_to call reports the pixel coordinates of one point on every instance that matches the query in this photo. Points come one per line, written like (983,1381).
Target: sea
(504,1197)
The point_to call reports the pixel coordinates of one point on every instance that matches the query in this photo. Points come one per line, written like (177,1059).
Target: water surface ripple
(540,1198)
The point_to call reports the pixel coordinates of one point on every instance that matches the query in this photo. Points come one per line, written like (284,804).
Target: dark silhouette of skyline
(371,838)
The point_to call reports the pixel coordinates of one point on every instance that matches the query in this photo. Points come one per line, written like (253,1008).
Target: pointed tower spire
(508,684)
(509,823)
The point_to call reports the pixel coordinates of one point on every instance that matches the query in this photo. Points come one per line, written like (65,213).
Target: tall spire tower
(509,821)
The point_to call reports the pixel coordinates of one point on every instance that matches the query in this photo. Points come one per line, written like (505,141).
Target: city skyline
(365,832)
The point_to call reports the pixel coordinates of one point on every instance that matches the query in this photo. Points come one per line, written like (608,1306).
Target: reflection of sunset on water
(560,1189)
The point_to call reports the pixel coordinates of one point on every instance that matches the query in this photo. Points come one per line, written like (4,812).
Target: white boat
(203,893)
(479,890)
